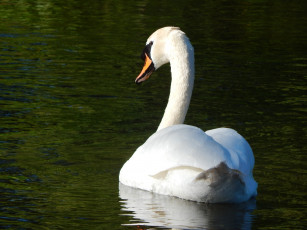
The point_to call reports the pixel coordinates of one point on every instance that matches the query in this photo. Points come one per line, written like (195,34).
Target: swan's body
(180,160)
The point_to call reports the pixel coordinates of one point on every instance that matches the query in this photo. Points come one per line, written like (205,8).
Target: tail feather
(225,183)
(220,174)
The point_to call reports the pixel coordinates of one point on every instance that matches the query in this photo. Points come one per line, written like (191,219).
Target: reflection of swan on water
(179,160)
(156,210)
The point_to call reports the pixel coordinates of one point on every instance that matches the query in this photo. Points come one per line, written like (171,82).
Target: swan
(180,160)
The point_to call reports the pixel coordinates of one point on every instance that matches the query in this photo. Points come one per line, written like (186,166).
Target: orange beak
(146,71)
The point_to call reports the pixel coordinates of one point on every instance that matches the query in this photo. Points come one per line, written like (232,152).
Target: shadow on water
(156,210)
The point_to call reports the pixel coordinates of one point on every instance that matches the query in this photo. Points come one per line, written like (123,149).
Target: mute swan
(181,160)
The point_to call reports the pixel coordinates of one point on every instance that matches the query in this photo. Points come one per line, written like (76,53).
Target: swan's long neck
(181,56)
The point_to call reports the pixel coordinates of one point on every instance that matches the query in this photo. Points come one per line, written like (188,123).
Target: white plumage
(181,160)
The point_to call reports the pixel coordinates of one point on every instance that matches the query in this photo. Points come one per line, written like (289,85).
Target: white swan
(181,160)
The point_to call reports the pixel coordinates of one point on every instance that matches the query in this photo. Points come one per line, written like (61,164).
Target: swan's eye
(146,50)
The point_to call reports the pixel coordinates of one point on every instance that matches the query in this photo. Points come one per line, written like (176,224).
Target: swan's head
(156,53)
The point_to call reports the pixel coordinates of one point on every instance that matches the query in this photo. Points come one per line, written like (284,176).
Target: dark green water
(71,115)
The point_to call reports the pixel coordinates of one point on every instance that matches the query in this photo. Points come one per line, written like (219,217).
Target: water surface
(71,115)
